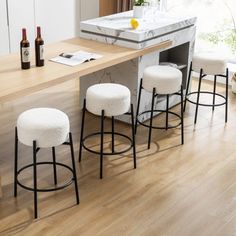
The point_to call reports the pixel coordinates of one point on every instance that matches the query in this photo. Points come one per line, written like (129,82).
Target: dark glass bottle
(25,51)
(39,49)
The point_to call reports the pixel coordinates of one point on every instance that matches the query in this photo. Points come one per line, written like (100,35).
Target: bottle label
(25,54)
(41,52)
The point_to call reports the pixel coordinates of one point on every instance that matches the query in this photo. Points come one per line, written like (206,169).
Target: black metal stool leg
(167,109)
(227,95)
(101,147)
(35,180)
(198,95)
(182,115)
(139,99)
(214,93)
(82,131)
(133,135)
(74,168)
(112,134)
(16,163)
(54,165)
(188,83)
(151,118)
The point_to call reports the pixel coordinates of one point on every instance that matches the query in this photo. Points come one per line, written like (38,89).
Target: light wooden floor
(176,190)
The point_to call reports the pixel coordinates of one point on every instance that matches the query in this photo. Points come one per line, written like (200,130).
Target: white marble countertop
(154,24)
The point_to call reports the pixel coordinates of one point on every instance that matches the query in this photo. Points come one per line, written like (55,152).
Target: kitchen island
(154,27)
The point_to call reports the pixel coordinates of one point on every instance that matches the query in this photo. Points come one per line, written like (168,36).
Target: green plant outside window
(140,3)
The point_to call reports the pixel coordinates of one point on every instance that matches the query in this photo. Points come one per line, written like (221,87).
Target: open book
(76,58)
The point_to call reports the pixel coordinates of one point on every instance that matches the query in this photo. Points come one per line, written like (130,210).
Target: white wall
(4,40)
(89,9)
(59,20)
(21,15)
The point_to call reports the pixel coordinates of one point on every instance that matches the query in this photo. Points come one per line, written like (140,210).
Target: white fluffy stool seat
(212,63)
(114,99)
(47,126)
(165,79)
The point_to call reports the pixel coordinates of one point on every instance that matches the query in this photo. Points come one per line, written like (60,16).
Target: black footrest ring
(107,153)
(159,127)
(204,104)
(48,189)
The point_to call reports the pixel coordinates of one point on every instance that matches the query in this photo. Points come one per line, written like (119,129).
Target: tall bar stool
(208,64)
(107,100)
(161,80)
(44,128)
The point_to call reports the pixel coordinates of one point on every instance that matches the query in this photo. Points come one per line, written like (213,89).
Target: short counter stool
(44,128)
(107,100)
(208,64)
(161,80)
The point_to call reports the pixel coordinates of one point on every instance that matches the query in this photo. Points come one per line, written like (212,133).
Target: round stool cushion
(47,126)
(211,63)
(165,79)
(114,99)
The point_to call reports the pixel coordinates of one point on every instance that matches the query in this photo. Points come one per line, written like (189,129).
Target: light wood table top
(15,82)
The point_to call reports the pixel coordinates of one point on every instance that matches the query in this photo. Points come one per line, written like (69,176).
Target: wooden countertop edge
(36,88)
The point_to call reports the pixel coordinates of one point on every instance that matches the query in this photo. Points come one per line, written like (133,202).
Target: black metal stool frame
(199,92)
(35,189)
(112,133)
(167,126)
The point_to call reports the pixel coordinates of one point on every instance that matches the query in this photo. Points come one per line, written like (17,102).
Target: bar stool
(208,64)
(161,80)
(107,100)
(43,128)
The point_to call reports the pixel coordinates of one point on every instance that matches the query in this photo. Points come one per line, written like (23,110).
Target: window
(216,26)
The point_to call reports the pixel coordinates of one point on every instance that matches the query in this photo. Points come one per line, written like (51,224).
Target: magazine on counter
(76,58)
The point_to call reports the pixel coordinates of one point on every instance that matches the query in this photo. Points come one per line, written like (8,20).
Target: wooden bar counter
(15,82)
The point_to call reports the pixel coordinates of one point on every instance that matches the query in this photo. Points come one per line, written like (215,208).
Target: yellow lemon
(134,23)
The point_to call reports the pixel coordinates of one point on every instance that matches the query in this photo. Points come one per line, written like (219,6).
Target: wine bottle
(39,50)
(25,51)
